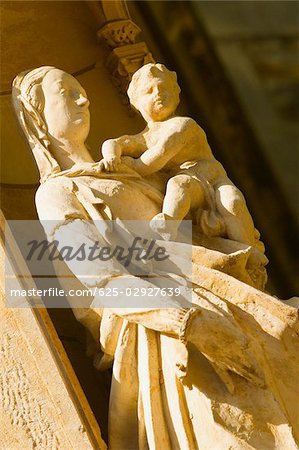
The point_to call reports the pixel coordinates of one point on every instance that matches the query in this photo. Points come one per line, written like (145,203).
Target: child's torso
(193,145)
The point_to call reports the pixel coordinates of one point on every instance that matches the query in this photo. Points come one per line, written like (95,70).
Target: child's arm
(178,136)
(113,149)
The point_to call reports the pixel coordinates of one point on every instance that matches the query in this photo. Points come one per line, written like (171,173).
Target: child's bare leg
(182,194)
(232,207)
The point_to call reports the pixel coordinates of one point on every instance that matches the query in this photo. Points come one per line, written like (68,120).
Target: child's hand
(111,163)
(111,152)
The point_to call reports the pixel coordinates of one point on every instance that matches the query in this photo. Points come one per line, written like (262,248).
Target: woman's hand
(222,341)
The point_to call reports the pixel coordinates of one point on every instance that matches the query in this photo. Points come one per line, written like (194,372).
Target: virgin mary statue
(217,371)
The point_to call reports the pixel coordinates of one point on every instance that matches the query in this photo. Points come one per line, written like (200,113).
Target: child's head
(154,92)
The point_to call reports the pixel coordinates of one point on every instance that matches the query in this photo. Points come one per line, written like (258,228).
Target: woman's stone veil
(28,102)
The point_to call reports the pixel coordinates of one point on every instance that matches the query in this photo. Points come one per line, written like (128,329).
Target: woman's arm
(212,333)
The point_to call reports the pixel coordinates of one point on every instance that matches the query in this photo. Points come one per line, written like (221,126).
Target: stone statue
(197,182)
(218,372)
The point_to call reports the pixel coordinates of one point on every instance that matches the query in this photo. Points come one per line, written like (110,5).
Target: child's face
(158,98)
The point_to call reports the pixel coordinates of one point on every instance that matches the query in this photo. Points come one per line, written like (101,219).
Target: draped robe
(235,392)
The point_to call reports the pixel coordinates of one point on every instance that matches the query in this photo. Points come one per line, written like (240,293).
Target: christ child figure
(197,185)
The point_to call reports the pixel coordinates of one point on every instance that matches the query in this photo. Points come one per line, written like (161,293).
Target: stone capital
(119,33)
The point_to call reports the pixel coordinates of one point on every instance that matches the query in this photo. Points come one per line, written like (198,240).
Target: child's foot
(164,226)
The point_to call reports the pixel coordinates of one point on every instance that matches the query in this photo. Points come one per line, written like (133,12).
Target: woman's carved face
(66,106)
